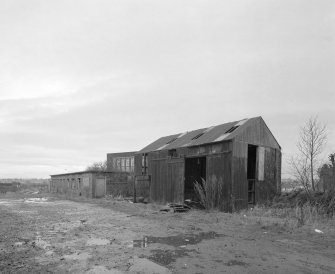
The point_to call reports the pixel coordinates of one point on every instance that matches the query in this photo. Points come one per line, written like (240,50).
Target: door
(195,171)
(100,187)
(175,181)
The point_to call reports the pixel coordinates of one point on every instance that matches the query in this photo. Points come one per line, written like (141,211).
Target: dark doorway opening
(251,173)
(195,171)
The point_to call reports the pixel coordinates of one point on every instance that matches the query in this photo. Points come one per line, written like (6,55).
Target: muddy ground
(51,235)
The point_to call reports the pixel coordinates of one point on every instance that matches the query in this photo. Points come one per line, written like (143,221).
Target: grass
(294,210)
(210,193)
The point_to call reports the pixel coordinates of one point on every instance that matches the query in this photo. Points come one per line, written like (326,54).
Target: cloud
(81,79)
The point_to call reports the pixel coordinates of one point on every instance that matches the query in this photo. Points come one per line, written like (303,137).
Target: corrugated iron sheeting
(211,135)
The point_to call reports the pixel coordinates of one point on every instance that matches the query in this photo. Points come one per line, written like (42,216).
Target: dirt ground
(43,234)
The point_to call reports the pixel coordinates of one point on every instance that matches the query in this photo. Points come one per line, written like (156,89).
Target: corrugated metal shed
(196,137)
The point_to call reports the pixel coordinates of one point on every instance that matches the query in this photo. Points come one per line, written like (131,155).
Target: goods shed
(241,158)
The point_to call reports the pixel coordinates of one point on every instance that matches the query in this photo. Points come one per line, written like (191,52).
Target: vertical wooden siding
(278,170)
(175,182)
(239,181)
(267,189)
(219,169)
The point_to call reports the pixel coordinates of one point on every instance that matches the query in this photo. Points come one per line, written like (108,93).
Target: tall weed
(210,193)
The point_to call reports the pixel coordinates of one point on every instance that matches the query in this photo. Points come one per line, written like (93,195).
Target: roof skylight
(231,129)
(197,136)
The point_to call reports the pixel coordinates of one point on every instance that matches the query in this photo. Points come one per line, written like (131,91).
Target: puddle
(287,241)
(35,200)
(10,202)
(97,241)
(166,257)
(176,241)
(103,270)
(236,263)
(180,242)
(142,265)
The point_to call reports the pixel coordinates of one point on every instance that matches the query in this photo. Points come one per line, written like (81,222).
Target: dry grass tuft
(210,193)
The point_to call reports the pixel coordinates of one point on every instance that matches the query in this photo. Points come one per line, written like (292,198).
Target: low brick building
(117,180)
(90,184)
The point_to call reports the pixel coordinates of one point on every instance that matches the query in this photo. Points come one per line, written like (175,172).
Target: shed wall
(266,186)
(167,173)
(73,185)
(239,167)
(219,176)
(120,183)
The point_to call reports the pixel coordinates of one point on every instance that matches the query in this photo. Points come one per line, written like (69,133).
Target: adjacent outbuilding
(89,184)
(242,158)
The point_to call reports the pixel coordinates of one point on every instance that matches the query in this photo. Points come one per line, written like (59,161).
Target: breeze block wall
(120,183)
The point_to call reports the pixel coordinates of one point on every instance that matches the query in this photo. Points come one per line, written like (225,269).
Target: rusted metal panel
(158,180)
(267,138)
(175,191)
(250,133)
(239,175)
(209,149)
(197,137)
(138,164)
(219,170)
(120,183)
(278,170)
(142,187)
(166,176)
(256,132)
(267,189)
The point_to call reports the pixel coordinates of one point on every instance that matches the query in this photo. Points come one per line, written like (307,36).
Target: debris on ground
(318,231)
(194,204)
(175,208)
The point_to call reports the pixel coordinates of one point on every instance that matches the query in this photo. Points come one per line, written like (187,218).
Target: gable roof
(197,137)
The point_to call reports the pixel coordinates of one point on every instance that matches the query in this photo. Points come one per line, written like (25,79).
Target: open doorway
(251,173)
(195,171)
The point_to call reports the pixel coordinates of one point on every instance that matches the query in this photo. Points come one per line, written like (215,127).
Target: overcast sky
(79,79)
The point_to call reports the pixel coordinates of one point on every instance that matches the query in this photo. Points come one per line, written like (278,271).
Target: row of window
(123,164)
(73,183)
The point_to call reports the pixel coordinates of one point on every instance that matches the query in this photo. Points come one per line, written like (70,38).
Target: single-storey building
(243,158)
(117,180)
(89,184)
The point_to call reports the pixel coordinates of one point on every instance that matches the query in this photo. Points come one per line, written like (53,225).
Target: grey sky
(79,79)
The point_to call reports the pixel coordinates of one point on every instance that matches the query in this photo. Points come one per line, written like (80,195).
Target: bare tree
(312,139)
(301,172)
(332,159)
(97,166)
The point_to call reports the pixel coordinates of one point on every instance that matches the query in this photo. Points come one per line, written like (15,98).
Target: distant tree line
(98,166)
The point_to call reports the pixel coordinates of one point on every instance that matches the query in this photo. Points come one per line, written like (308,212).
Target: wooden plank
(219,171)
(239,174)
(176,181)
(266,190)
(260,163)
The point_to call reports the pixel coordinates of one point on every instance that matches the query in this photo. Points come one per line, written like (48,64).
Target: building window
(131,164)
(172,153)
(231,129)
(144,163)
(198,135)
